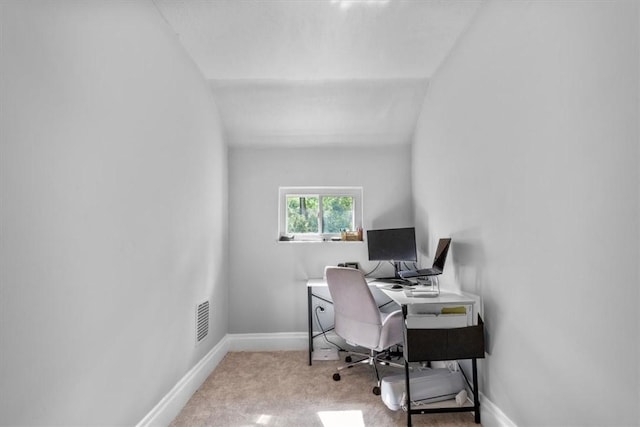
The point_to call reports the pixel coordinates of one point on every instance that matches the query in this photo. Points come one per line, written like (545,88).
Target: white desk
(413,304)
(417,305)
(445,298)
(434,343)
(417,340)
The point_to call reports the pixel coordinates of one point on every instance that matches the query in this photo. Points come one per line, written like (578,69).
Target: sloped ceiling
(318,72)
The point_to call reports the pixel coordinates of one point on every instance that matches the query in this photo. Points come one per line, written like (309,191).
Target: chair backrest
(357,316)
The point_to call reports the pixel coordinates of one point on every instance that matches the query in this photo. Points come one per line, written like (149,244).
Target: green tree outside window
(303,213)
(337,214)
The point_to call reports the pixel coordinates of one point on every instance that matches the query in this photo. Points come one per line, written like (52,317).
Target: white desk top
(399,296)
(321,282)
(316,282)
(445,297)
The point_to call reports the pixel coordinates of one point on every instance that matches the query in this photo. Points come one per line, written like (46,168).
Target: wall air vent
(202,321)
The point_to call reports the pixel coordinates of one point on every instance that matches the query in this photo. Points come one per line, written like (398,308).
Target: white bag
(427,385)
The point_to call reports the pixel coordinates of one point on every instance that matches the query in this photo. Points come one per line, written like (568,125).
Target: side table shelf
(431,345)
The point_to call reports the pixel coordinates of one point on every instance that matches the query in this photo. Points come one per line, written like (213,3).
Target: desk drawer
(444,344)
(436,321)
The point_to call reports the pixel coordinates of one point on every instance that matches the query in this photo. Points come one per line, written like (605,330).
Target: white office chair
(358,319)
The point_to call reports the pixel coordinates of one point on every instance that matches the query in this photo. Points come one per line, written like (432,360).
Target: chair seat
(358,320)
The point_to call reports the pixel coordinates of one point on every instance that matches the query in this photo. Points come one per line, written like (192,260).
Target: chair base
(373,358)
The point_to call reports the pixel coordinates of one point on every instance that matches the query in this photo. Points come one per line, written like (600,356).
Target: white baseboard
(268,342)
(492,416)
(171,404)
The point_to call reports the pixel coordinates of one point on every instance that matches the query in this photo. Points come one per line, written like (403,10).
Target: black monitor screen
(394,244)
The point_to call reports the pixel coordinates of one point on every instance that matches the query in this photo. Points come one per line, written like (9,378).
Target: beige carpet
(281,389)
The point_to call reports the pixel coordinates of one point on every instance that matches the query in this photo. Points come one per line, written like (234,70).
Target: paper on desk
(454,310)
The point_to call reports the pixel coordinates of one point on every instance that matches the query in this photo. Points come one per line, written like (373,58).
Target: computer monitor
(392,244)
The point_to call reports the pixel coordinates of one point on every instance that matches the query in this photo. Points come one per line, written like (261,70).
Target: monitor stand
(397,268)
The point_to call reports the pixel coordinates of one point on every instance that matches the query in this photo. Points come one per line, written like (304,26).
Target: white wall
(526,154)
(113,214)
(267,283)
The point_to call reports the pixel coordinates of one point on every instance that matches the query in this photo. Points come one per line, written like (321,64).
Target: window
(319,213)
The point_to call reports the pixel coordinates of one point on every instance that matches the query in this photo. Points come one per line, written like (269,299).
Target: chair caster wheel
(376,391)
(336,377)
(348,359)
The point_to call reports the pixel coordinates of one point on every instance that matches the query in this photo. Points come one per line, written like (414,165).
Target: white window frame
(283,192)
